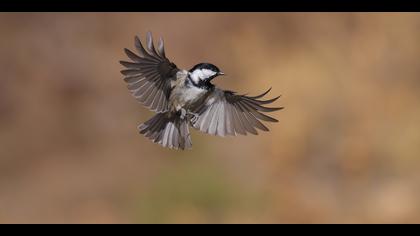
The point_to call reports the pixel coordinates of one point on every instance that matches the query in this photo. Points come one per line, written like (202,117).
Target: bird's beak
(220,73)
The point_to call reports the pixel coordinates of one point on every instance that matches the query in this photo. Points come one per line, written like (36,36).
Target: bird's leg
(183,113)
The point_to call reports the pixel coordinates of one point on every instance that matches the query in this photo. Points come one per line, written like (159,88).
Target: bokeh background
(346,149)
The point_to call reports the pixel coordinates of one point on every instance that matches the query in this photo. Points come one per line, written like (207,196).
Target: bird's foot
(194,116)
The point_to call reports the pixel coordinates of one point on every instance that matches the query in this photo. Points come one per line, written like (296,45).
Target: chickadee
(182,98)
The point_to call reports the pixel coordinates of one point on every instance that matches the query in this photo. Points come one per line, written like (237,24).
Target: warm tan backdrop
(346,148)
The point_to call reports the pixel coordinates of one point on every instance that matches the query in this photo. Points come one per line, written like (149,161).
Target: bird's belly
(186,97)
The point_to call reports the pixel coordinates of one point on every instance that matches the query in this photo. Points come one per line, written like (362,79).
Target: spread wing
(225,113)
(149,74)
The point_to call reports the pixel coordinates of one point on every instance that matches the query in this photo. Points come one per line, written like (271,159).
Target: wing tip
(262,95)
(128,51)
(122,62)
(277,108)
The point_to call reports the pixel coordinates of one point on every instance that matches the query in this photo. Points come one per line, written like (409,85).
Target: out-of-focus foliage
(346,148)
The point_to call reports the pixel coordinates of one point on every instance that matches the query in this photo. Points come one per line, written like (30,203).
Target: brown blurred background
(346,149)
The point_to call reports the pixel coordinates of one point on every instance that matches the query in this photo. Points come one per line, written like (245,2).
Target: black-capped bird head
(204,72)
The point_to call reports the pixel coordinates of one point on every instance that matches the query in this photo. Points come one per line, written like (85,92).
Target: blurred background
(346,149)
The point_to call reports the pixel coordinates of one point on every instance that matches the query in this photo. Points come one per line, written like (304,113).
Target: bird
(187,98)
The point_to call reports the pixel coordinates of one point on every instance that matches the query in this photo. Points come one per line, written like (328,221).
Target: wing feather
(148,75)
(225,113)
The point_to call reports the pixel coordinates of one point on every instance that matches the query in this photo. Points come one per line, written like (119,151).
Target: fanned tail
(168,130)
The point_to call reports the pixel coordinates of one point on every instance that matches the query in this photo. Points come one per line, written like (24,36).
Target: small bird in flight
(182,98)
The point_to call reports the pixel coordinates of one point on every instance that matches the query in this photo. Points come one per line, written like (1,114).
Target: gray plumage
(187,98)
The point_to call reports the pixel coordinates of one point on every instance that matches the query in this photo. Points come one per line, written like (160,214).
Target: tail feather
(168,130)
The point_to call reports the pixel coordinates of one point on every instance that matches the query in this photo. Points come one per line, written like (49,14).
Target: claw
(194,115)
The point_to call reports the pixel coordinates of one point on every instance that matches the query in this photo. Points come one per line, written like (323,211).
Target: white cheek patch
(202,74)
(207,73)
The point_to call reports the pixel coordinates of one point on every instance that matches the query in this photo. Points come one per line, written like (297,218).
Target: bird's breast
(185,96)
(194,94)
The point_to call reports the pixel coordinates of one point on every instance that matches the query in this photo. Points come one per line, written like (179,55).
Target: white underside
(192,94)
